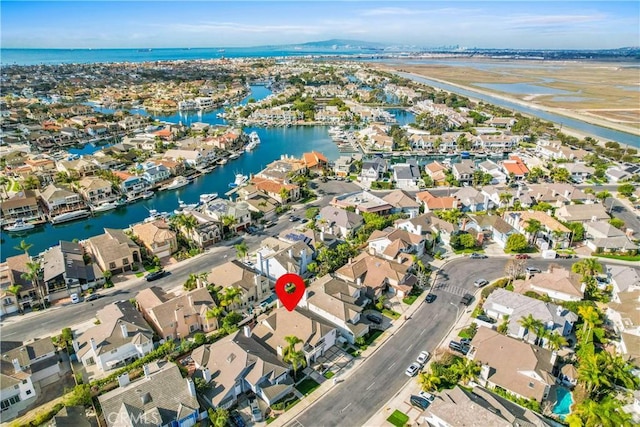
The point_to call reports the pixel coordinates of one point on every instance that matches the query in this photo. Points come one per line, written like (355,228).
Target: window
(28,392)
(530,385)
(24,381)
(112,265)
(7,301)
(125,261)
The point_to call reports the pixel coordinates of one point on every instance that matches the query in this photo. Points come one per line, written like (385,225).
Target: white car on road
(423,357)
(412,370)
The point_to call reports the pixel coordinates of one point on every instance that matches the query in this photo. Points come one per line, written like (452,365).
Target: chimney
(206,374)
(484,372)
(303,300)
(247,331)
(399,259)
(146,370)
(16,365)
(260,262)
(94,347)
(322,235)
(629,233)
(290,251)
(566,193)
(359,281)
(350,260)
(123,328)
(178,314)
(554,356)
(190,298)
(419,229)
(123,380)
(192,387)
(145,397)
(559,310)
(594,218)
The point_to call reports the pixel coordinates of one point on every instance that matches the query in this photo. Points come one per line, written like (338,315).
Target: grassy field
(398,419)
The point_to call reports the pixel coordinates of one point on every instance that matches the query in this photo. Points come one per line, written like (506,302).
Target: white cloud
(388,11)
(244,28)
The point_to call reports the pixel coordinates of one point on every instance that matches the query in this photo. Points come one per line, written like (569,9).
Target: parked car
(423,357)
(480,283)
(430,298)
(486,318)
(466,299)
(256,413)
(155,275)
(465,341)
(412,370)
(476,255)
(236,419)
(375,319)
(92,297)
(427,396)
(564,256)
(532,270)
(75,298)
(456,346)
(269,224)
(419,401)
(522,256)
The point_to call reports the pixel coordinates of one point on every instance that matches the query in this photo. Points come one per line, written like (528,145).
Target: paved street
(623,211)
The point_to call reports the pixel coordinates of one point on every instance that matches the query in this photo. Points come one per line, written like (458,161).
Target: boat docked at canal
(178,182)
(234,156)
(70,216)
(106,206)
(240,179)
(206,198)
(19,225)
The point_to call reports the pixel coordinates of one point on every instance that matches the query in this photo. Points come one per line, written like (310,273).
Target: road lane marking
(371,385)
(345,408)
(423,331)
(391,366)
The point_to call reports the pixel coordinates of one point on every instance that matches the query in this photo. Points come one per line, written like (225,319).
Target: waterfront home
(463,171)
(317,334)
(372,170)
(582,213)
(155,173)
(552,234)
(238,364)
(239,211)
(132,185)
(497,142)
(206,232)
(161,398)
(133,122)
(276,189)
(515,167)
(472,200)
(11,272)
(22,205)
(493,169)
(82,166)
(601,236)
(437,173)
(391,242)
(276,114)
(433,203)
(559,283)
(379,275)
(177,316)
(406,175)
(315,161)
(491,226)
(121,337)
(41,166)
(157,238)
(623,310)
(113,251)
(501,122)
(59,200)
(96,190)
(65,272)
(462,407)
(283,169)
(191,158)
(253,282)
(362,201)
(402,202)
(344,166)
(274,260)
(515,366)
(512,307)
(258,201)
(340,221)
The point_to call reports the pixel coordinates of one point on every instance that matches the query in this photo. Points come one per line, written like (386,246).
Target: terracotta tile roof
(314,159)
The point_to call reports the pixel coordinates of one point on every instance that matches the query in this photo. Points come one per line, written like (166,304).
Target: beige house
(234,274)
(379,274)
(22,205)
(157,237)
(113,251)
(558,283)
(59,200)
(96,190)
(176,317)
(519,368)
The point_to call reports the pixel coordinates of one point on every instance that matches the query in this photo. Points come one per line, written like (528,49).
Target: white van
(75,298)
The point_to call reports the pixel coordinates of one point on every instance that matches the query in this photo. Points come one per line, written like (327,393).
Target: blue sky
(502,24)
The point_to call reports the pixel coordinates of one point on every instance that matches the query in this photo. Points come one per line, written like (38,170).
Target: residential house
(82,166)
(472,200)
(283,169)
(177,316)
(191,158)
(69,416)
(155,173)
(554,150)
(23,204)
(553,234)
(463,171)
(515,168)
(623,312)
(579,172)
(96,190)
(338,302)
(519,368)
(372,170)
(616,174)
(254,284)
(317,334)
(493,169)
(556,194)
(113,251)
(437,172)
(362,201)
(433,203)
(479,407)
(501,122)
(391,242)
(65,271)
(58,200)
(428,223)
(582,213)
(406,175)
(344,166)
(315,161)
(402,202)
(379,274)
(132,185)
(11,272)
(160,398)
(340,221)
(239,211)
(513,307)
(258,201)
(491,226)
(238,364)
(497,142)
(121,337)
(157,238)
(559,283)
(280,258)
(604,237)
(133,122)
(277,189)
(207,231)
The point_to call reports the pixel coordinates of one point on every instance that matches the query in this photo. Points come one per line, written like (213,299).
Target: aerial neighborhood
(148,211)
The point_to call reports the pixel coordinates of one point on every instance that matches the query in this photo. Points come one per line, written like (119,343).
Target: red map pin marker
(290,297)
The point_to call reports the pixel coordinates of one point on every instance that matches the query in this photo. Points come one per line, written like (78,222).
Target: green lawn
(372,336)
(410,299)
(307,386)
(390,313)
(329,374)
(620,257)
(398,419)
(468,251)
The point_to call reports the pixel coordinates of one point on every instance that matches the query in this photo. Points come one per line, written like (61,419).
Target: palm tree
(191,283)
(466,369)
(587,267)
(23,246)
(15,291)
(555,341)
(529,323)
(231,296)
(591,374)
(618,371)
(590,317)
(606,413)
(228,221)
(505,198)
(241,250)
(215,312)
(34,274)
(603,195)
(533,228)
(292,341)
(428,380)
(296,359)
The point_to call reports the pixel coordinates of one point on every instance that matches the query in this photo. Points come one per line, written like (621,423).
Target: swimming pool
(562,408)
